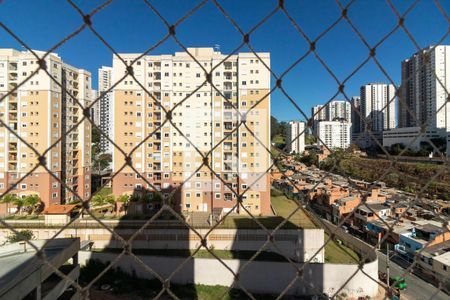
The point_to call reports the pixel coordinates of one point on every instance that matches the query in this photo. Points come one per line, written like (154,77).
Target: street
(417,288)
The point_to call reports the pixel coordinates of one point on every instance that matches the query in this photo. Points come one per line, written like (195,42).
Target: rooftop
(60,209)
(20,263)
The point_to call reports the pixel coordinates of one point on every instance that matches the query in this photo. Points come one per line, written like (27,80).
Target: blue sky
(130,26)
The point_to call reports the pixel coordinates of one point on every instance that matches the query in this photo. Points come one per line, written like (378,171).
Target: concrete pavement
(417,288)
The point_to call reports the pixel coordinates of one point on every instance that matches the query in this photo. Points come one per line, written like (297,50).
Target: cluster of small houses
(369,210)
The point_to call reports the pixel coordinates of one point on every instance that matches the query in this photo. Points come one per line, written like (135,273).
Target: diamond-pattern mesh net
(418,198)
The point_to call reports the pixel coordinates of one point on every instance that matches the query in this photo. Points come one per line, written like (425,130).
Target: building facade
(356,114)
(339,110)
(105,108)
(378,111)
(318,113)
(295,140)
(41,112)
(424,81)
(334,134)
(378,106)
(203,117)
(95,108)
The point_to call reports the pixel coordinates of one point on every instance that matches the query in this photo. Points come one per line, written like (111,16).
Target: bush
(276,193)
(23,235)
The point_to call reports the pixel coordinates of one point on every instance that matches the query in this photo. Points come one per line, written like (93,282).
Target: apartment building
(318,113)
(339,110)
(334,134)
(105,108)
(295,139)
(95,109)
(40,112)
(424,81)
(203,118)
(378,110)
(378,102)
(356,114)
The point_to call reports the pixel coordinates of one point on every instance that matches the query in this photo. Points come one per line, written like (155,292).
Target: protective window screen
(231,149)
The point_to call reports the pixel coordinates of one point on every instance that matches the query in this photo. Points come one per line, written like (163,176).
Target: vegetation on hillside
(406,176)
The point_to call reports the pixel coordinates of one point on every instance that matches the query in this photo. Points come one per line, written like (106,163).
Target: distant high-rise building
(424,80)
(334,134)
(106,108)
(356,114)
(41,112)
(378,104)
(295,139)
(339,110)
(167,154)
(318,113)
(95,109)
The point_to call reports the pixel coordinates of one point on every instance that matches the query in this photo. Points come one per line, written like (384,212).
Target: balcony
(228,125)
(227,86)
(228,156)
(12,157)
(13,66)
(12,106)
(228,65)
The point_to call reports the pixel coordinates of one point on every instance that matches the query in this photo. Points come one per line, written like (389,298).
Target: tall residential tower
(105,105)
(295,140)
(202,117)
(41,112)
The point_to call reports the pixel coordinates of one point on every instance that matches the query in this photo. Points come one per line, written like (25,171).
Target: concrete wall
(300,245)
(257,276)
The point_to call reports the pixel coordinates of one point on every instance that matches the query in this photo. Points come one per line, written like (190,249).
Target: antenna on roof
(217,47)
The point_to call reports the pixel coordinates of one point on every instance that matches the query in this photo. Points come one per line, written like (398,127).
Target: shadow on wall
(164,260)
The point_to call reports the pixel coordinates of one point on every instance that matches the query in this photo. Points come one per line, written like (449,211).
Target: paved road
(417,288)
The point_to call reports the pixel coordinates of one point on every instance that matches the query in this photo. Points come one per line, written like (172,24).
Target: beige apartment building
(40,113)
(165,157)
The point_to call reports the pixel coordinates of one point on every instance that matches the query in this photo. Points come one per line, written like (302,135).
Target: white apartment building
(378,106)
(318,113)
(423,88)
(423,98)
(334,134)
(40,112)
(378,111)
(95,109)
(295,139)
(202,118)
(105,108)
(338,110)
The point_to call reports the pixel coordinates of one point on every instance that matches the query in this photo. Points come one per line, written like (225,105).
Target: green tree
(8,199)
(19,203)
(310,139)
(23,235)
(99,200)
(31,202)
(123,198)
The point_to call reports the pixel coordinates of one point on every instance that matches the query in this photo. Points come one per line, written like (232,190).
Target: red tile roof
(59,209)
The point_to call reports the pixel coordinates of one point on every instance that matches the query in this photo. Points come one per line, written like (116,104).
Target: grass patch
(284,207)
(334,252)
